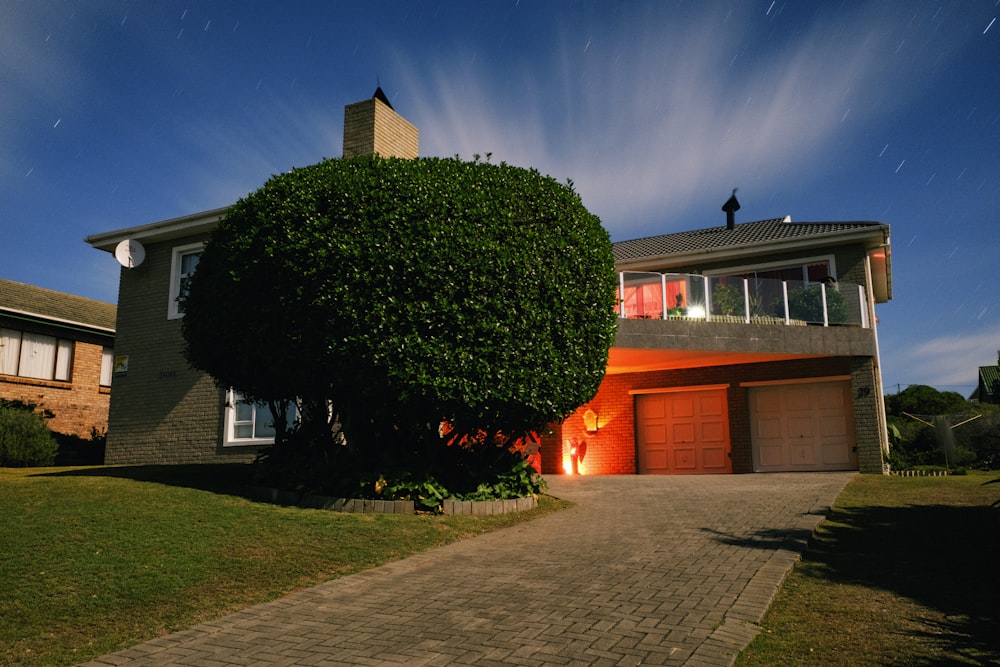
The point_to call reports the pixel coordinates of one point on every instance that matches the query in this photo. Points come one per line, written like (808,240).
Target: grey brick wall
(161,410)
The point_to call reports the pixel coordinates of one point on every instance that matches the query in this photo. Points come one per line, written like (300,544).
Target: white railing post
(663,296)
(863,305)
(784,298)
(708,299)
(822,294)
(746,301)
(621,294)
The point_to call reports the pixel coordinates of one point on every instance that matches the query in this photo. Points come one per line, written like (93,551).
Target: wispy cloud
(948,363)
(671,115)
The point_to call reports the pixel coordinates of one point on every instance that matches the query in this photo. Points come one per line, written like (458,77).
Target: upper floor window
(35,355)
(182,267)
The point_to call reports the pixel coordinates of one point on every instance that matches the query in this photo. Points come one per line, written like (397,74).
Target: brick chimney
(373,126)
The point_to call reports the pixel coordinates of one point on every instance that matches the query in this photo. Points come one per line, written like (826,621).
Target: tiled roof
(747,233)
(48,304)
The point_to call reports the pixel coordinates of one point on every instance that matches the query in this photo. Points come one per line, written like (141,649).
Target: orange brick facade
(80,405)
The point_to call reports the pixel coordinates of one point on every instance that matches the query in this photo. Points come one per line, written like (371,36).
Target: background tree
(915,443)
(407,293)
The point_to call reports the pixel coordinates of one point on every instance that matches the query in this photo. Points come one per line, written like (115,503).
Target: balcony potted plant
(728,299)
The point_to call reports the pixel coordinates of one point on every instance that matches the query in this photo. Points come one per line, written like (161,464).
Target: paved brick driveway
(651,570)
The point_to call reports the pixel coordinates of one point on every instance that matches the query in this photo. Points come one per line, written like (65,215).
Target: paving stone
(642,570)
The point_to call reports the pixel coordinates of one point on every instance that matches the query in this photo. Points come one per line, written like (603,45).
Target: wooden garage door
(683,432)
(803,427)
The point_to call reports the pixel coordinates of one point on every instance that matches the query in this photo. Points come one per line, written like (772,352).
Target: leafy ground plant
(902,572)
(96,559)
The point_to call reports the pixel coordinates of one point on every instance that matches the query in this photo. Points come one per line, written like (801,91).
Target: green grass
(904,571)
(96,559)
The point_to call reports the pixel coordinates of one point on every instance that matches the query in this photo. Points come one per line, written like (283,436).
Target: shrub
(25,439)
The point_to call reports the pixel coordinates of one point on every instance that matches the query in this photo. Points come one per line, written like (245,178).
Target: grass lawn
(96,559)
(904,571)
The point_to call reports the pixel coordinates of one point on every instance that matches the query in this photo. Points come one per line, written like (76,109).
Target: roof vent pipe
(730,207)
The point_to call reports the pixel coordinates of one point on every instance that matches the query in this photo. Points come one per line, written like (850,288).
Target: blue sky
(117,114)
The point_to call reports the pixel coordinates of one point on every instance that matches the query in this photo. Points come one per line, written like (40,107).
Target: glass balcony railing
(737,299)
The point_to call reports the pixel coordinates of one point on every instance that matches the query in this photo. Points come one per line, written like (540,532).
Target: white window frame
(176,277)
(230,439)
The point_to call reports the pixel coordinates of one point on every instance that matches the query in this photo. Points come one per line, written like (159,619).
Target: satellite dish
(130,253)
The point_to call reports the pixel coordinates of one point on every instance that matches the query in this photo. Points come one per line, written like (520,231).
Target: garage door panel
(807,426)
(715,459)
(770,427)
(798,400)
(695,431)
(713,431)
(681,408)
(683,432)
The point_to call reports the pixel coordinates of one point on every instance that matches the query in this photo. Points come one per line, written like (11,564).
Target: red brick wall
(79,405)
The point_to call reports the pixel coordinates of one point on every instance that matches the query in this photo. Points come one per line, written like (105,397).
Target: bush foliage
(25,439)
(406,294)
(920,420)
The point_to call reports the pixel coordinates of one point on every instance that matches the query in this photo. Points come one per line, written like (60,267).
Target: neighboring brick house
(162,410)
(56,352)
(710,372)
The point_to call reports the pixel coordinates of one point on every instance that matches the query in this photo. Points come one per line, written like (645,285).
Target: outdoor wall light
(590,422)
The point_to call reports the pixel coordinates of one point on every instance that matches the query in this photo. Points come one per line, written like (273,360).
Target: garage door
(803,427)
(683,432)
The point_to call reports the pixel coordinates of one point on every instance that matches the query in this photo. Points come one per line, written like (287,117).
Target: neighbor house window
(250,423)
(35,355)
(182,266)
(107,365)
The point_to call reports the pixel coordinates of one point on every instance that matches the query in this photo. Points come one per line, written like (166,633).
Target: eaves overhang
(164,230)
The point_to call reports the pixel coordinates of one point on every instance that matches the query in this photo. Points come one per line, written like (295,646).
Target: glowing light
(696,312)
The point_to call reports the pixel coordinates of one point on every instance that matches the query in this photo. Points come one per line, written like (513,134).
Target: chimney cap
(730,207)
(732,204)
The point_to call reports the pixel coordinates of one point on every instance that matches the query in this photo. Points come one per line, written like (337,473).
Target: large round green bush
(406,294)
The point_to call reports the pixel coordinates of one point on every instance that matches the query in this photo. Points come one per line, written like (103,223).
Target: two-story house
(740,348)
(56,353)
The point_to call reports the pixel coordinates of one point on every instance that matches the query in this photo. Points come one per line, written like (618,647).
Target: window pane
(38,356)
(263,422)
(64,360)
(244,411)
(10,351)
(242,431)
(189,263)
(107,364)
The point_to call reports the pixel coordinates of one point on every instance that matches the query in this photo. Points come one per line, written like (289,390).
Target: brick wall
(612,450)
(161,410)
(80,405)
(371,126)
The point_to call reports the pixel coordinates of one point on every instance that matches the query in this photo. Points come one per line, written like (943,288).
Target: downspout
(879,393)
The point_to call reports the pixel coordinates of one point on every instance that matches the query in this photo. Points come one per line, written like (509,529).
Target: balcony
(735,299)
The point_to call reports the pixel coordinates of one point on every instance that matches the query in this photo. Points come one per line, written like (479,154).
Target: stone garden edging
(370,506)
